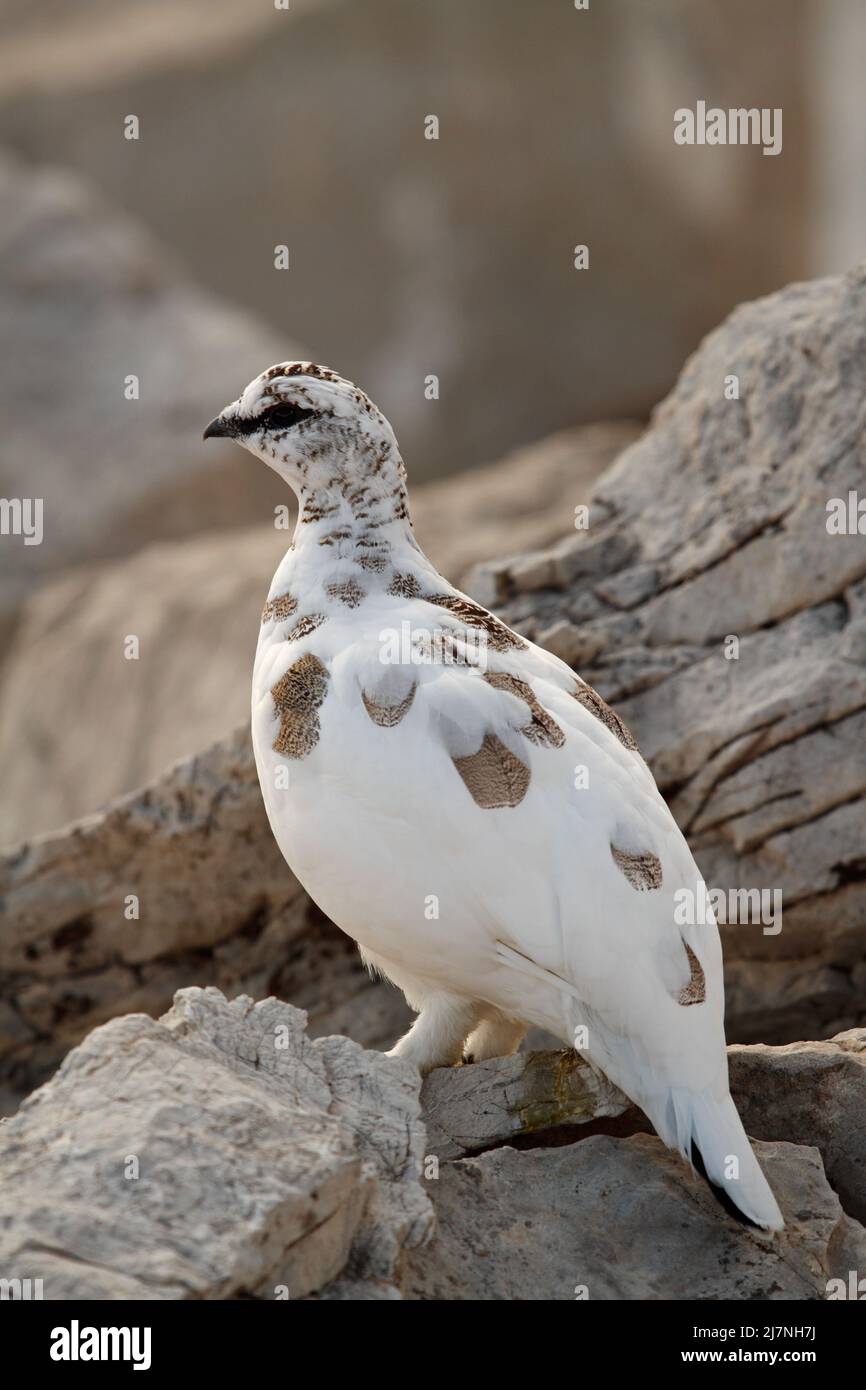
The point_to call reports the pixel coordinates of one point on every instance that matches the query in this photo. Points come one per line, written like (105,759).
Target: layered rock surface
(811,1093)
(214,1154)
(611,1218)
(552,1186)
(219,1153)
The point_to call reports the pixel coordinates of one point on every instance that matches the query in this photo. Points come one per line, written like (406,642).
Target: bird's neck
(355,508)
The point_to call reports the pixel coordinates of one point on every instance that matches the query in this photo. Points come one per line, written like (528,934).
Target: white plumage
(462,805)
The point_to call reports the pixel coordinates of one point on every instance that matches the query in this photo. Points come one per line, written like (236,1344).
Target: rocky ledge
(220,1153)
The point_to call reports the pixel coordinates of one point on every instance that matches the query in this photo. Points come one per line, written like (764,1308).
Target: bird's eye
(284,416)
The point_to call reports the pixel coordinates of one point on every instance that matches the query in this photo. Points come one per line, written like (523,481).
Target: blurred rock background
(409,256)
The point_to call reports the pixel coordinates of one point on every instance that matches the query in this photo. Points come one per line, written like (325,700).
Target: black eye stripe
(277,417)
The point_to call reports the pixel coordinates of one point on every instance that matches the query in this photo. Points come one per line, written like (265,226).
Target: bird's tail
(713,1126)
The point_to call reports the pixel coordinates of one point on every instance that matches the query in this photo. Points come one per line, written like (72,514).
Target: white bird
(462,805)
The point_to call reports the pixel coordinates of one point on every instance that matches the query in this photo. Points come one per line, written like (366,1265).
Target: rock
(454,256)
(806,1093)
(177,884)
(195,607)
(220,1153)
(470,1108)
(549,1181)
(532,571)
(526,498)
(712,605)
(215,1153)
(810,1093)
(630,587)
(82,286)
(569,642)
(613,1218)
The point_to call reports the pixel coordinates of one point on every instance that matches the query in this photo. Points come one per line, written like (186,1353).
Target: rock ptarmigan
(417,761)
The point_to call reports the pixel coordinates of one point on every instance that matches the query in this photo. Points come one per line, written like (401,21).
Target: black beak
(217,429)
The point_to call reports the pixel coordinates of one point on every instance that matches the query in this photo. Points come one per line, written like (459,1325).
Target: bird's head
(310,425)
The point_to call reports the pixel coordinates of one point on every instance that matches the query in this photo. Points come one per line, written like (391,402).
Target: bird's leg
(436,1037)
(496,1036)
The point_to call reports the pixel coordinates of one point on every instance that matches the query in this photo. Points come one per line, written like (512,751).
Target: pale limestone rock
(512,1221)
(473,1107)
(612,1218)
(810,1093)
(570,643)
(270,1163)
(263,1161)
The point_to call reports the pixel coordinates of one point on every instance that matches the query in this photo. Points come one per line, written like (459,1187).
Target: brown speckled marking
(542,728)
(304,626)
(367,542)
(494,776)
(591,700)
(297,696)
(695,992)
(281,607)
(316,511)
(404,586)
(455,653)
(343,533)
(374,562)
(386,716)
(643,871)
(347,591)
(472,614)
(302,369)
